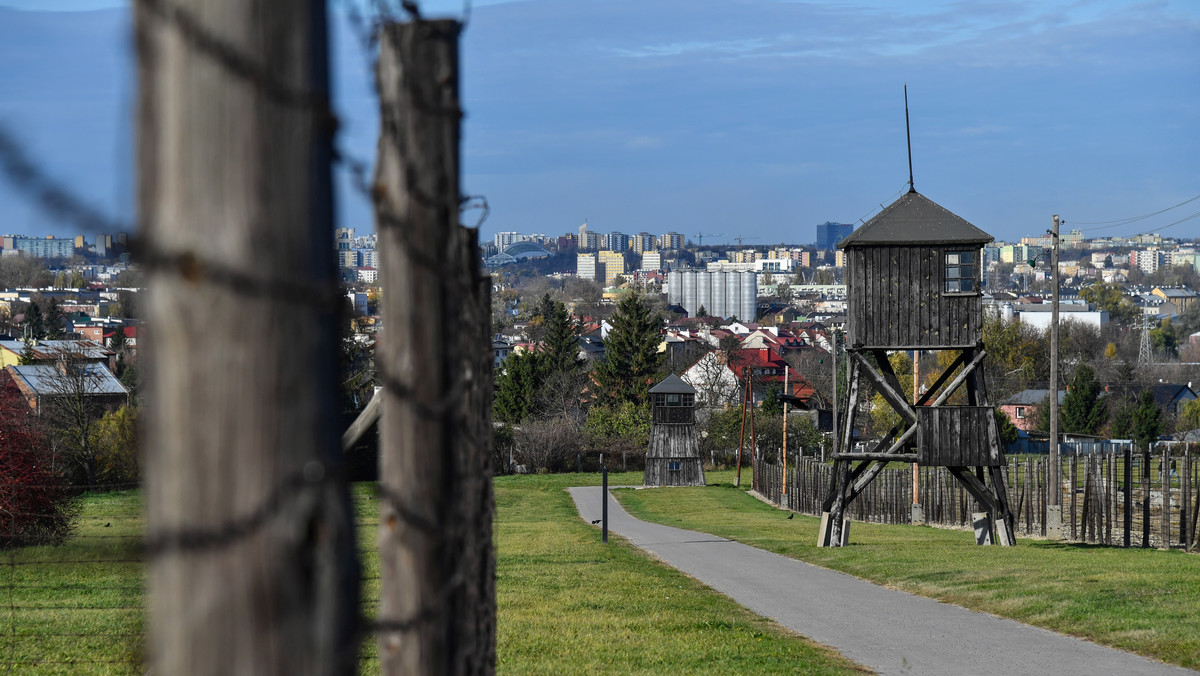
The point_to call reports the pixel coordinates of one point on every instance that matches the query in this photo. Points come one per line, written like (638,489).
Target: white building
(585,266)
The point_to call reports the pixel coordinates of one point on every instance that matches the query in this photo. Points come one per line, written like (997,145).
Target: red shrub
(35,505)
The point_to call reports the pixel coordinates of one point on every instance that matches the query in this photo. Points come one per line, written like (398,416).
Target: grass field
(1143,601)
(568,604)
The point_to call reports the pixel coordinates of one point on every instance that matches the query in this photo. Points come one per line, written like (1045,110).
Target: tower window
(960,272)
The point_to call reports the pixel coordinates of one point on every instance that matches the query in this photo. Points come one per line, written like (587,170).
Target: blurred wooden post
(437,597)
(252,564)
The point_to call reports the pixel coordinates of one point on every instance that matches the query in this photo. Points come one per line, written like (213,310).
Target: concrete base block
(918,514)
(1054,524)
(983,528)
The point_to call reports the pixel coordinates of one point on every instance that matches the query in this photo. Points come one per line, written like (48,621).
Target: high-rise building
(651,260)
(344,238)
(618,241)
(830,233)
(722,294)
(610,265)
(672,241)
(504,240)
(642,242)
(49,247)
(585,266)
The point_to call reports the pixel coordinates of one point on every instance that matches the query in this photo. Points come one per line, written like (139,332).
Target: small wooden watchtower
(913,283)
(673,458)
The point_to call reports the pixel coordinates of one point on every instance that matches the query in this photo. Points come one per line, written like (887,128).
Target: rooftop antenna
(908,134)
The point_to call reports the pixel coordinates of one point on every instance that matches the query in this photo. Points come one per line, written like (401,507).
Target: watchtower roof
(672,384)
(915,219)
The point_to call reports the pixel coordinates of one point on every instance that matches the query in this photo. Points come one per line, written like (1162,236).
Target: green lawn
(567,603)
(1143,601)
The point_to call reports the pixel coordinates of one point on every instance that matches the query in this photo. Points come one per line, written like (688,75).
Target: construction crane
(701,235)
(740,238)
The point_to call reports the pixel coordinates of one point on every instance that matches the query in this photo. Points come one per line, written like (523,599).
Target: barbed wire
(63,204)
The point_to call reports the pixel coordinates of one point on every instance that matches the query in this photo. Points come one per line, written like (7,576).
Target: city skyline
(763,122)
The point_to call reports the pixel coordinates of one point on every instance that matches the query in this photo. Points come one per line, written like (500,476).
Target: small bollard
(579,463)
(604,502)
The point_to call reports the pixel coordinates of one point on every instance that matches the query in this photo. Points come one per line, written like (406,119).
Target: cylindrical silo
(689,292)
(704,292)
(733,294)
(718,307)
(674,288)
(748,309)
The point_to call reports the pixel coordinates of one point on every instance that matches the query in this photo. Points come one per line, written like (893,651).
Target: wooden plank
(894,398)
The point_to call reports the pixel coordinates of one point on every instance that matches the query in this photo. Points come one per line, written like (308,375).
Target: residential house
(41,383)
(1022,407)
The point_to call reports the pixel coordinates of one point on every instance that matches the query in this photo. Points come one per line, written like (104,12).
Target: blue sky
(754,117)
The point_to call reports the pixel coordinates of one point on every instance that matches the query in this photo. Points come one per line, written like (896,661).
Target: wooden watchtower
(913,283)
(673,458)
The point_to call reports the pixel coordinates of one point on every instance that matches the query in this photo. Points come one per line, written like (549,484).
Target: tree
(1164,339)
(701,312)
(561,343)
(115,439)
(1189,415)
(516,388)
(1084,411)
(631,356)
(1109,296)
(35,323)
(55,320)
(1140,420)
(74,399)
(35,505)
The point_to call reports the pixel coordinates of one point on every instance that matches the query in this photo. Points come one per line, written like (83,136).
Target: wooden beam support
(894,398)
(962,377)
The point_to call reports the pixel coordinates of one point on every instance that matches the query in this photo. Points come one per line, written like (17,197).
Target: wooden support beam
(954,384)
(366,418)
(941,380)
(895,457)
(894,398)
(870,474)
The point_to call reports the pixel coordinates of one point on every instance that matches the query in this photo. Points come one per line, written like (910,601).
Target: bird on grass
(791,515)
(596,522)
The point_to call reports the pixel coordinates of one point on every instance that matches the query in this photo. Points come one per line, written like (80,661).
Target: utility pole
(918,515)
(786,392)
(833,437)
(252,565)
(1054,497)
(742,436)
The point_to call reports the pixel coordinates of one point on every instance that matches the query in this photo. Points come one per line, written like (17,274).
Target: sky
(752,118)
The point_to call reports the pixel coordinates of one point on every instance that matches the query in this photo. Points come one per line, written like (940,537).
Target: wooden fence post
(252,564)
(437,595)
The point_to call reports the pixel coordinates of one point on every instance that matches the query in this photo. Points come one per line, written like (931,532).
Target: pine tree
(631,356)
(1146,420)
(560,353)
(35,323)
(1083,410)
(516,387)
(55,320)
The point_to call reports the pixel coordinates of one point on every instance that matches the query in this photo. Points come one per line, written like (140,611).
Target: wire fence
(83,604)
(1109,495)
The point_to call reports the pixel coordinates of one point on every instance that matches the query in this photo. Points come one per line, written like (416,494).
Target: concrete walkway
(892,632)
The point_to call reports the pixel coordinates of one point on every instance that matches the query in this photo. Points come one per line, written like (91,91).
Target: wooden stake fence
(1093,494)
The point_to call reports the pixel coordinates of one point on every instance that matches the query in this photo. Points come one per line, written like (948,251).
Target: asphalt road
(889,631)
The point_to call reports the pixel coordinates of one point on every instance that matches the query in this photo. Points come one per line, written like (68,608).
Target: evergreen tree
(27,356)
(560,353)
(1083,410)
(55,320)
(1146,420)
(631,356)
(516,387)
(35,323)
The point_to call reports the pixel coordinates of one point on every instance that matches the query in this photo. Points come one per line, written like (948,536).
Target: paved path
(889,631)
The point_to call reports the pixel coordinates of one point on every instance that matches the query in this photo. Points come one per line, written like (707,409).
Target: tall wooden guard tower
(912,277)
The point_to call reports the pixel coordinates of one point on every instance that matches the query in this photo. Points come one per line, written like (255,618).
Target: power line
(1133,219)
